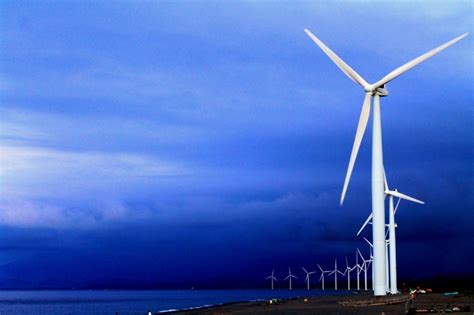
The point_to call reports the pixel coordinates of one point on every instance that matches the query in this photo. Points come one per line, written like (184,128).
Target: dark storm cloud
(151,140)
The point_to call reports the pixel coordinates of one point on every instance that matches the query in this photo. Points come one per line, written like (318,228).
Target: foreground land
(330,305)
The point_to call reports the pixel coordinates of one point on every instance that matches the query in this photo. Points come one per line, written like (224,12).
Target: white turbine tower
(348,272)
(272,277)
(387,273)
(387,264)
(375,91)
(290,276)
(335,272)
(321,278)
(307,276)
(391,231)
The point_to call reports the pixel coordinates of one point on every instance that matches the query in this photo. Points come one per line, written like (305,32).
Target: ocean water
(131,302)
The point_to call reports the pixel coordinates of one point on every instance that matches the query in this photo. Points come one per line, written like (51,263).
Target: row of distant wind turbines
(380,261)
(390,254)
(347,272)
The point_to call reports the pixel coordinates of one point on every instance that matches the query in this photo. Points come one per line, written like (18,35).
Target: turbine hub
(381,91)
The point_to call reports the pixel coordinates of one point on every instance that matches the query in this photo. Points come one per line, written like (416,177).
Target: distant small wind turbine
(348,273)
(321,278)
(366,264)
(307,276)
(290,276)
(335,272)
(375,91)
(272,277)
(359,269)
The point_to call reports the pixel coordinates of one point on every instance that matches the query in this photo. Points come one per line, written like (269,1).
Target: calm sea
(131,302)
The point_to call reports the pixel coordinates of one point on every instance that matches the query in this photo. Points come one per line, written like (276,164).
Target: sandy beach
(330,305)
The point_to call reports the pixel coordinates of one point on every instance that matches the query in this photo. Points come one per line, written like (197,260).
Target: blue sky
(148,138)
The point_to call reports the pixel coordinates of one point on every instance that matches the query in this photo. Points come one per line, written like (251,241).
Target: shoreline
(330,305)
(193,309)
(222,305)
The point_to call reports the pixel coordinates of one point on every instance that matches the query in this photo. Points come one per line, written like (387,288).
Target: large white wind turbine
(375,91)
(307,276)
(321,278)
(289,277)
(335,272)
(272,277)
(391,231)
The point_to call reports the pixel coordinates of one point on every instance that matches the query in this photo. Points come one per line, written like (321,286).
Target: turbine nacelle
(381,91)
(377,90)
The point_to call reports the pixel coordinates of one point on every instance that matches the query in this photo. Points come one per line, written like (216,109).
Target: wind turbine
(335,272)
(322,276)
(307,276)
(391,231)
(359,269)
(365,265)
(272,277)
(290,276)
(348,272)
(375,91)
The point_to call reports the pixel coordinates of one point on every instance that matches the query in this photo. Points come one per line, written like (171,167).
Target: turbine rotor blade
(354,76)
(396,207)
(365,223)
(385,179)
(368,242)
(363,119)
(402,69)
(403,196)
